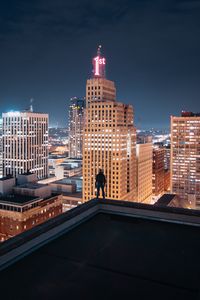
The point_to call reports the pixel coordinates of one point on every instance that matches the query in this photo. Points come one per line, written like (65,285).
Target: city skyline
(152,52)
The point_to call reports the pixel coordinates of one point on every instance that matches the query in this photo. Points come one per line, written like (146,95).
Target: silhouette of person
(100,183)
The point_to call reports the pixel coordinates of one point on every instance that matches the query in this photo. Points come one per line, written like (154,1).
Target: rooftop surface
(5,178)
(66,181)
(165,199)
(112,254)
(77,195)
(17,199)
(32,185)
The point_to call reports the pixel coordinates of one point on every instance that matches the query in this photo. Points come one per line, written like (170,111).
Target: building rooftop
(189,114)
(165,199)
(6,178)
(32,185)
(106,249)
(27,173)
(17,199)
(67,180)
(77,195)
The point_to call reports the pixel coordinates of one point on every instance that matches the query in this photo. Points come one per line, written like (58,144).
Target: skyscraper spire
(99,50)
(99,64)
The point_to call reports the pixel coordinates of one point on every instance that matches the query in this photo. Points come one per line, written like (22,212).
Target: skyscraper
(144,172)
(158,170)
(109,138)
(185,158)
(25,143)
(1,149)
(76,120)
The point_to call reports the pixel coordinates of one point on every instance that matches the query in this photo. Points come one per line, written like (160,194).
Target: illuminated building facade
(167,157)
(109,138)
(185,158)
(167,180)
(167,168)
(1,149)
(76,123)
(144,172)
(25,143)
(24,206)
(158,170)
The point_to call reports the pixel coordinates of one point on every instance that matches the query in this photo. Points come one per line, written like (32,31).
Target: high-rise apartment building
(25,143)
(76,120)
(144,172)
(109,138)
(1,149)
(185,158)
(158,170)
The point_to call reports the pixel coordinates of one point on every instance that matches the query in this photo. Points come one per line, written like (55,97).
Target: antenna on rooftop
(31,105)
(99,50)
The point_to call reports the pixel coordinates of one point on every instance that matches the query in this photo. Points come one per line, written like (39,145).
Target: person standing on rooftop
(100,183)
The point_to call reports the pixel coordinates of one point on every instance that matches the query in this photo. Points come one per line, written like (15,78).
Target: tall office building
(25,143)
(185,158)
(109,138)
(167,157)
(144,172)
(167,168)
(1,149)
(158,170)
(76,120)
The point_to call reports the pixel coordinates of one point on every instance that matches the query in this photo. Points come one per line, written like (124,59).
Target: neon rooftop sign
(99,63)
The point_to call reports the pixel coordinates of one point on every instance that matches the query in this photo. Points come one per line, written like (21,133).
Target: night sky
(152,50)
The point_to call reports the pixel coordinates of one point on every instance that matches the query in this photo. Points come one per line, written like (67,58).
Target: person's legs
(103,193)
(98,190)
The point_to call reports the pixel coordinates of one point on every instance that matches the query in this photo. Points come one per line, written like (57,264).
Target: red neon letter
(96,66)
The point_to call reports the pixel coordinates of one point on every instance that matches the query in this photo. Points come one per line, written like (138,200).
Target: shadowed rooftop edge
(105,249)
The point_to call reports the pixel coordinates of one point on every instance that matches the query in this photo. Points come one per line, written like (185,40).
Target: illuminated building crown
(99,65)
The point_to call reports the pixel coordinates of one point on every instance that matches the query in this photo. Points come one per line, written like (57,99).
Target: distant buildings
(62,167)
(25,143)
(76,123)
(25,205)
(1,149)
(185,158)
(109,138)
(144,172)
(158,170)
(167,157)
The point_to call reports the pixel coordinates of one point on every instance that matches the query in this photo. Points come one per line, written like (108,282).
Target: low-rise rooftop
(165,199)
(6,178)
(106,249)
(32,185)
(17,198)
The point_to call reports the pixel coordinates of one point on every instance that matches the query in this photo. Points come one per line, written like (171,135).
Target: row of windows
(94,87)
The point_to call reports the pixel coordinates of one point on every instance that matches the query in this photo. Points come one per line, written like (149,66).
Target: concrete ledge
(150,214)
(25,243)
